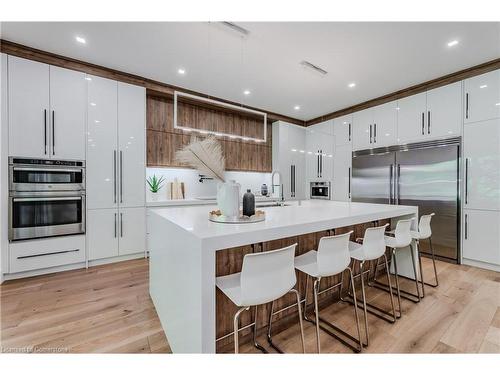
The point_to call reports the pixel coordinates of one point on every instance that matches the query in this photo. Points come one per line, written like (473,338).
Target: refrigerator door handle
(349,132)
(467,105)
(391,177)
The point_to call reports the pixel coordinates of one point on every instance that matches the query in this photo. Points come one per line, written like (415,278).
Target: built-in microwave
(46,175)
(320,190)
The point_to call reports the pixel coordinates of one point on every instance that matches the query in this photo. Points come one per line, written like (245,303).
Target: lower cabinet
(115,232)
(341,183)
(481,236)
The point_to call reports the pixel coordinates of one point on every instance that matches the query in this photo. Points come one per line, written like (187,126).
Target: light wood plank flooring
(108,309)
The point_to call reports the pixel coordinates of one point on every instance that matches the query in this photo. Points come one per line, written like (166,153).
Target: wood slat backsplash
(163,140)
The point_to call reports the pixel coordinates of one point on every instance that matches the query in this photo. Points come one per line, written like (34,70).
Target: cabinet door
(482,165)
(444,111)
(362,127)
(102,152)
(132,229)
(326,159)
(28,108)
(68,106)
(342,130)
(411,119)
(102,233)
(341,184)
(313,146)
(296,144)
(481,240)
(324,127)
(385,119)
(482,97)
(131,140)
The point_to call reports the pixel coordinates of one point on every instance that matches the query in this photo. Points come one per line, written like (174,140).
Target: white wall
(208,188)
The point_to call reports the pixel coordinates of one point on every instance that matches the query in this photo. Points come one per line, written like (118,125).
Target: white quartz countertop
(195,202)
(294,219)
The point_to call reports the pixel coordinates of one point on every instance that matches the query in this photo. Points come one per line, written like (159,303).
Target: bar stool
(373,248)
(425,232)
(332,258)
(264,277)
(402,239)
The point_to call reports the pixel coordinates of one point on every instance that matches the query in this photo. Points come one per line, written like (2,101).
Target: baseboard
(478,264)
(99,262)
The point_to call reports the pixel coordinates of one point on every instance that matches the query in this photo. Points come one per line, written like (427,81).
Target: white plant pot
(228,198)
(154,197)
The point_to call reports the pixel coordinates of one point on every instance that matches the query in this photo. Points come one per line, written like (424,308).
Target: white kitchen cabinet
(319,155)
(342,166)
(102,144)
(411,118)
(47,108)
(342,130)
(29,107)
(68,108)
(482,97)
(102,233)
(482,165)
(323,127)
(362,130)
(132,229)
(481,236)
(375,127)
(131,144)
(444,111)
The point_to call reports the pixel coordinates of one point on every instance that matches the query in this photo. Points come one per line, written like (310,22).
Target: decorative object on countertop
(155,184)
(177,190)
(228,198)
(264,190)
(248,203)
(218,217)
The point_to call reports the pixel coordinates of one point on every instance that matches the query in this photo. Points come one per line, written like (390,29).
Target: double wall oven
(46,198)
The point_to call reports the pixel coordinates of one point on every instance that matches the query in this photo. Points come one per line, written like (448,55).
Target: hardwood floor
(108,309)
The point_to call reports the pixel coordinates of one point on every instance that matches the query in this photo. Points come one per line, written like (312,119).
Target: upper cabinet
(323,127)
(375,127)
(429,115)
(319,155)
(342,130)
(482,97)
(48,104)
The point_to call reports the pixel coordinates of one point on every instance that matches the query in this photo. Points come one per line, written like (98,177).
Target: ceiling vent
(317,69)
(235,27)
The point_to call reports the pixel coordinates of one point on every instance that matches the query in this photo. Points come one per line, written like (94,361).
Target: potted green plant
(155,184)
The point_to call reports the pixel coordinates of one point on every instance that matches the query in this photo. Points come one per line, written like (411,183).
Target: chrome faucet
(280,185)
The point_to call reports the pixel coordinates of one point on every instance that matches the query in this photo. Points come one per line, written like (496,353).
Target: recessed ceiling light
(452,43)
(181,71)
(351,85)
(246,92)
(79,39)
(297,107)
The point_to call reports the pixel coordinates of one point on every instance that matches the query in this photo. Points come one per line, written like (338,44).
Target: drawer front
(38,254)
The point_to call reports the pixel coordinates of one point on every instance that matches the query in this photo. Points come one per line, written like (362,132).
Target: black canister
(248,203)
(264,190)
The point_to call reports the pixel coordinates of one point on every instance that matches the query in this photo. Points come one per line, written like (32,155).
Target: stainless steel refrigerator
(421,174)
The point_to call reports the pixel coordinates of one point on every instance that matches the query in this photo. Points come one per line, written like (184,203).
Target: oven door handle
(77,170)
(39,199)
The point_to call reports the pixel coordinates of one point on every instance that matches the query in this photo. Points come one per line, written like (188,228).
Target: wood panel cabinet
(47,103)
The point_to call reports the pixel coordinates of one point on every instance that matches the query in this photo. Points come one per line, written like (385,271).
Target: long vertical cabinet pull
(121,176)
(423,121)
(398,175)
(45,129)
(467,105)
(428,122)
(317,163)
(391,188)
(374,133)
(115,225)
(291,180)
(466,180)
(371,135)
(53,133)
(466,225)
(121,224)
(320,163)
(350,132)
(349,183)
(114,176)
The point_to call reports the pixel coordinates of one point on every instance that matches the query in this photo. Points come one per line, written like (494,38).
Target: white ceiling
(379,57)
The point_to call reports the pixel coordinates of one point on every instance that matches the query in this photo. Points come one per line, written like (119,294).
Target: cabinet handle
(121,176)
(371,137)
(349,180)
(317,164)
(467,105)
(320,163)
(391,173)
(350,132)
(45,129)
(115,225)
(291,180)
(423,120)
(45,254)
(114,176)
(428,122)
(374,133)
(466,180)
(398,175)
(121,224)
(466,226)
(53,133)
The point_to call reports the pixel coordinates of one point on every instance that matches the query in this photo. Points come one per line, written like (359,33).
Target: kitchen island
(185,247)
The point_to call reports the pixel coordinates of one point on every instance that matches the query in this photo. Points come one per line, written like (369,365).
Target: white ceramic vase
(228,198)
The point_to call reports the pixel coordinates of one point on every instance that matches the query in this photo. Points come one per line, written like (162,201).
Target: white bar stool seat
(425,233)
(264,277)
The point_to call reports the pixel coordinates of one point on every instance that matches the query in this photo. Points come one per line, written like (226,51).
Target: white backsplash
(207,188)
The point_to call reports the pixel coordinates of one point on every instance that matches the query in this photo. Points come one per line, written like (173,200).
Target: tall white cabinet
(320,147)
(47,110)
(481,139)
(115,168)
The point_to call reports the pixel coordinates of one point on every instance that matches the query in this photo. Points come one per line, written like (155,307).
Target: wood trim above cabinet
(153,87)
(412,90)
